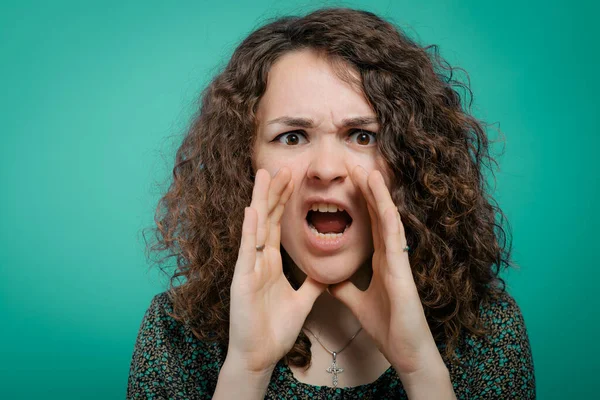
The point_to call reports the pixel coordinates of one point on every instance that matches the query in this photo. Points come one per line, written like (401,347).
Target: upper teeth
(324,207)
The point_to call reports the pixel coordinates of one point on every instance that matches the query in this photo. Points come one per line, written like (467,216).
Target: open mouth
(328,221)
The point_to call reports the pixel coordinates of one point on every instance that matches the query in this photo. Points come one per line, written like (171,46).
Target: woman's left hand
(390,310)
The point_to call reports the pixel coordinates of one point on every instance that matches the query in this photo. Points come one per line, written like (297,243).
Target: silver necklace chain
(333,368)
(342,349)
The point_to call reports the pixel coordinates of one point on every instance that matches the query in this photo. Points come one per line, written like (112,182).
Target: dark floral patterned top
(169,362)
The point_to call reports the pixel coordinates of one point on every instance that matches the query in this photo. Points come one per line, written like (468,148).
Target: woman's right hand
(266,313)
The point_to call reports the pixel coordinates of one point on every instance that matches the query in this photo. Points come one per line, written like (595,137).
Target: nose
(327,163)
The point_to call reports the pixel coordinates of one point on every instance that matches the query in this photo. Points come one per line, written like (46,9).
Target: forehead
(307,84)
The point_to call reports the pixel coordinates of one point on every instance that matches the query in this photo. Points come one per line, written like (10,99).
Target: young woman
(366,264)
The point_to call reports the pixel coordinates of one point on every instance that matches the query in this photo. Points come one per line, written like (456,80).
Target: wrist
(431,381)
(432,371)
(426,378)
(237,381)
(236,366)
(255,364)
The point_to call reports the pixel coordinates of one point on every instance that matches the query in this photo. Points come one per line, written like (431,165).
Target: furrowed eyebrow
(358,121)
(308,123)
(291,121)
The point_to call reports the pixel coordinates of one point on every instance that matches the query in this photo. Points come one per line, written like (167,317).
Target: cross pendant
(335,370)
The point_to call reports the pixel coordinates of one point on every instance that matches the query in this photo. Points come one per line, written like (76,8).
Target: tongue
(326,222)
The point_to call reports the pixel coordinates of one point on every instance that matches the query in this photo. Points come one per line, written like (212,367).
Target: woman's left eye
(364,138)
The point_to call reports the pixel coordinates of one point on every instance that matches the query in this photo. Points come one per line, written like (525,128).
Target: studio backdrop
(95,98)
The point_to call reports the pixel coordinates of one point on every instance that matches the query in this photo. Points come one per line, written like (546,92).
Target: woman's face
(320,127)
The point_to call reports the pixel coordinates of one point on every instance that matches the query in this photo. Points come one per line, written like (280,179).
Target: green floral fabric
(169,362)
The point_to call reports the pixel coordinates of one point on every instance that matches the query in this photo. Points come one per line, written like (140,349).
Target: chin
(327,270)
(329,276)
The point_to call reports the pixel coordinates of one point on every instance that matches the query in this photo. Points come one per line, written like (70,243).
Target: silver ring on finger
(260,248)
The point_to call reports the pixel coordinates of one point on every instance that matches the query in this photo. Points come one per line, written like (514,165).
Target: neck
(330,319)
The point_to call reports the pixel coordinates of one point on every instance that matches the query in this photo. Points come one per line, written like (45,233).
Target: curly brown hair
(435,150)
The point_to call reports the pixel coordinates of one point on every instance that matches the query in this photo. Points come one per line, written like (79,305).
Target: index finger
(360,176)
(393,230)
(260,198)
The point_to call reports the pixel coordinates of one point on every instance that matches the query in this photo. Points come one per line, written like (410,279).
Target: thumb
(348,294)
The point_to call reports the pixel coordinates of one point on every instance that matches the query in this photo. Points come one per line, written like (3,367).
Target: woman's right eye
(291,138)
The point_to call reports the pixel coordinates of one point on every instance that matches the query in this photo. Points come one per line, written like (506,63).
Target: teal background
(93,101)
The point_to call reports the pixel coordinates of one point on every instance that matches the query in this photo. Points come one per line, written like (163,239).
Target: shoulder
(501,362)
(158,314)
(169,359)
(503,318)
(159,322)
(160,305)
